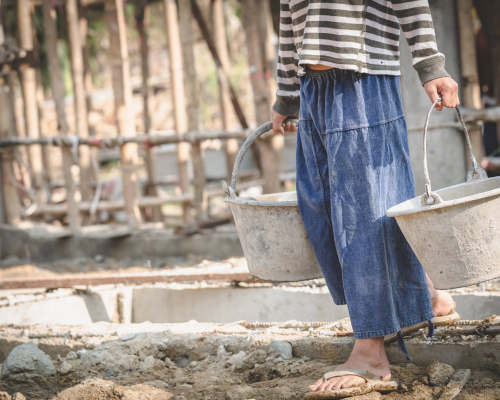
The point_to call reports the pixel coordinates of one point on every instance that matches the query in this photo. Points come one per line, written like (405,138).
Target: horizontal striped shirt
(358,35)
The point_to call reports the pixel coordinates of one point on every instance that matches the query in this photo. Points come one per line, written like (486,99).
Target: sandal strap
(367,376)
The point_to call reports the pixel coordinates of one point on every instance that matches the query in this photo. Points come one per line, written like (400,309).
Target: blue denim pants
(352,165)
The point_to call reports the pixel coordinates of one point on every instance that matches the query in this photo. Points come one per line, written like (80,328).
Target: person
(338,73)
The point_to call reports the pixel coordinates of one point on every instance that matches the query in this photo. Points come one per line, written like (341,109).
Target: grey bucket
(271,230)
(455,232)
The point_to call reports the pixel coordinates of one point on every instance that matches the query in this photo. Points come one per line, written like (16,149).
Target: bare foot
(368,355)
(442,302)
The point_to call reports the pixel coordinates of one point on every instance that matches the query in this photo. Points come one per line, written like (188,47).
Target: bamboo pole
(57,83)
(470,78)
(124,113)
(141,18)
(10,194)
(27,76)
(176,76)
(258,76)
(193,111)
(78,69)
(220,42)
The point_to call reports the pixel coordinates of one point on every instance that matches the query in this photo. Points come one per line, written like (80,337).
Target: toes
(312,388)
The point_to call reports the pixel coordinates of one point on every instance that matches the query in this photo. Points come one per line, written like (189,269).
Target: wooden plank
(456,384)
(81,114)
(68,281)
(192,108)
(27,77)
(470,78)
(57,83)
(141,19)
(124,112)
(143,202)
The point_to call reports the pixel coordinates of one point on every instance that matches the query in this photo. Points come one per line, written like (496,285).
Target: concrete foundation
(178,304)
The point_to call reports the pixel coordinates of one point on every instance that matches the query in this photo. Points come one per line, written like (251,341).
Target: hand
(446,88)
(278,119)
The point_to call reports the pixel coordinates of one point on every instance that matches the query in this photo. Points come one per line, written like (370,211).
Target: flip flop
(372,383)
(442,320)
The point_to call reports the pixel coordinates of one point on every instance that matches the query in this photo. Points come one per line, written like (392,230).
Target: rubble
(190,361)
(439,373)
(27,358)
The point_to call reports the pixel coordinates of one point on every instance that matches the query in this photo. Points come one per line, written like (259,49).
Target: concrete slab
(38,245)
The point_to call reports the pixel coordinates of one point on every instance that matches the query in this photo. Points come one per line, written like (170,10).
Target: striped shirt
(358,35)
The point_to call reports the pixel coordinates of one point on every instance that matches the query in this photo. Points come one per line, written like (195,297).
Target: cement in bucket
(271,230)
(455,232)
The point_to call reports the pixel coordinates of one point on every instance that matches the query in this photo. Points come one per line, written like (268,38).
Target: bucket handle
(476,173)
(230,190)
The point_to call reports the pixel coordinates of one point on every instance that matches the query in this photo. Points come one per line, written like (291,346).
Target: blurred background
(97,97)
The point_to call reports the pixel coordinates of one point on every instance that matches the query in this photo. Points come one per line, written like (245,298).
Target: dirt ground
(156,366)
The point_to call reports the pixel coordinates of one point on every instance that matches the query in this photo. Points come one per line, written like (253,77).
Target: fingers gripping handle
(230,190)
(430,198)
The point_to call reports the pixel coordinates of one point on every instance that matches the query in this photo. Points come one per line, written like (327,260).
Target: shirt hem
(364,126)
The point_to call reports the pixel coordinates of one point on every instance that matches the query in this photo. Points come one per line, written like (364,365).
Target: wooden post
(141,18)
(27,76)
(471,91)
(10,194)
(176,76)
(77,69)
(57,83)
(87,71)
(193,111)
(124,113)
(220,41)
(258,76)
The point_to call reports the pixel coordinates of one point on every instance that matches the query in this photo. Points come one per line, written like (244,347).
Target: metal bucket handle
(230,190)
(476,173)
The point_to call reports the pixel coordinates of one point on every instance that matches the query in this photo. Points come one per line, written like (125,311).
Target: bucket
(455,232)
(271,230)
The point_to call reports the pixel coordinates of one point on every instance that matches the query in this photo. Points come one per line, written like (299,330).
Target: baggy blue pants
(352,165)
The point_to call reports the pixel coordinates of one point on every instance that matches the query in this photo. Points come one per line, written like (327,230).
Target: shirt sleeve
(415,19)
(288,93)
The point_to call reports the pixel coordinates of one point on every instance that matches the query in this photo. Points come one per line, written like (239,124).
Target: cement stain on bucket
(271,230)
(454,235)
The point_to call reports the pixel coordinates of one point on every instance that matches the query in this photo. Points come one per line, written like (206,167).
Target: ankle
(372,349)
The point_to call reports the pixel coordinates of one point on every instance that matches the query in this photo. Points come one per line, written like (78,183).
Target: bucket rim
(392,212)
(251,202)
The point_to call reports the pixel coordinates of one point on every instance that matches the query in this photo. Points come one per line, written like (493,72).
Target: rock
(242,393)
(80,353)
(439,373)
(64,368)
(222,352)
(241,361)
(111,372)
(157,384)
(71,356)
(5,396)
(284,349)
(149,362)
(128,337)
(18,396)
(29,358)
(58,358)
